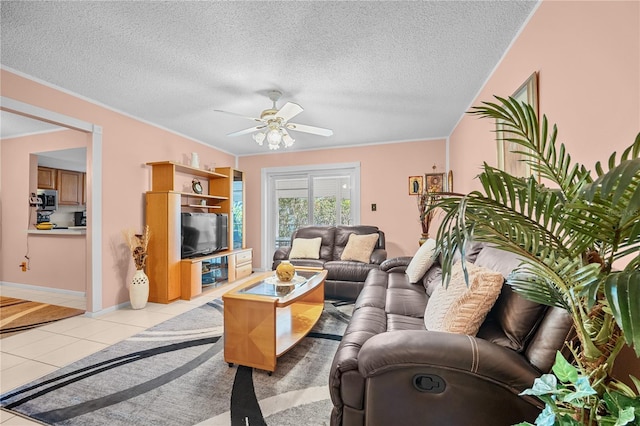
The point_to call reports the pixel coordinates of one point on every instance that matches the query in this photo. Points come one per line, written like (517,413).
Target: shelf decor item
(197,186)
(139,288)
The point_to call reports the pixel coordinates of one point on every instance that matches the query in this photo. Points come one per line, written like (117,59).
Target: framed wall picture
(416,185)
(510,157)
(434,182)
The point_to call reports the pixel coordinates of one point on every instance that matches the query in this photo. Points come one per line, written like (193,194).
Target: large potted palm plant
(578,234)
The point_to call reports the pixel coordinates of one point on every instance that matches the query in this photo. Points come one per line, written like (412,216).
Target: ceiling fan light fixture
(274,146)
(275,123)
(287,140)
(274,137)
(259,138)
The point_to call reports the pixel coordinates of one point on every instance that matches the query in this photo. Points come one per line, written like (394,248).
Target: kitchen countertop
(72,230)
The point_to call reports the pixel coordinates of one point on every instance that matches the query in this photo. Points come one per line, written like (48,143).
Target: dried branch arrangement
(138,245)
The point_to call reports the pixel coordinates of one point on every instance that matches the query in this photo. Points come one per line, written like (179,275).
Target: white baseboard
(44,289)
(107,310)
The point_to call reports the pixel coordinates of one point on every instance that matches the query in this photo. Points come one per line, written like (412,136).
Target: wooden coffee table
(263,320)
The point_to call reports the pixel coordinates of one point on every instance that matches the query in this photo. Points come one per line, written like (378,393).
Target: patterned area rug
(175,374)
(18,315)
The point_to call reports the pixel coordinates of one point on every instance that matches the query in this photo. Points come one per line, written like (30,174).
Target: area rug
(175,374)
(18,315)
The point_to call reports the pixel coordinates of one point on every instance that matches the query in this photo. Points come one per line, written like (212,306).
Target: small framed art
(416,185)
(434,182)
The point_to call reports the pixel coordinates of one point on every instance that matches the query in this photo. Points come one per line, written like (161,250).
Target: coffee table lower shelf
(259,329)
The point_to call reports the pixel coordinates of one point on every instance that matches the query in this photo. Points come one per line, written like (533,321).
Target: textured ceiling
(371,71)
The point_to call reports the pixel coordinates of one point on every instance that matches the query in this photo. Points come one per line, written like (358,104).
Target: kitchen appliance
(43,216)
(49,198)
(48,204)
(80,218)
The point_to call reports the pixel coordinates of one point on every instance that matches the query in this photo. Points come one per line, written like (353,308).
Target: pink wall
(49,265)
(385,170)
(127,144)
(588,58)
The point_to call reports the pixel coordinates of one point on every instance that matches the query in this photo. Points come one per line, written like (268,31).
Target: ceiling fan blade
(238,115)
(246,131)
(288,111)
(309,129)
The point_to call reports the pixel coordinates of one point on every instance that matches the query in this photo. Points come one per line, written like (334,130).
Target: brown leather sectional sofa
(389,370)
(345,278)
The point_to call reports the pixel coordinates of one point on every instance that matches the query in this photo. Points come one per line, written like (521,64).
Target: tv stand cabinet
(170,276)
(236,264)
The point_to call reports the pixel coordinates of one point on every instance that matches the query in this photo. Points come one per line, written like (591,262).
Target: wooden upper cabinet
(70,187)
(46,178)
(84,188)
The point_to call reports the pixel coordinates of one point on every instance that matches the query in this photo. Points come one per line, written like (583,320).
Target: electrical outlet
(23,266)
(374,207)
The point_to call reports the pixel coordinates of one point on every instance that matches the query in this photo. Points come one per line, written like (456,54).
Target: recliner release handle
(429,383)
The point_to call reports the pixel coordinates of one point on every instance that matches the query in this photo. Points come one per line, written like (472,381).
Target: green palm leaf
(623,294)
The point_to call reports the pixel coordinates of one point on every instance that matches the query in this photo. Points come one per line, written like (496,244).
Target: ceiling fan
(274,124)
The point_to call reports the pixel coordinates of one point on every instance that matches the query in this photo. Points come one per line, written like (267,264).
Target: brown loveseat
(345,278)
(389,370)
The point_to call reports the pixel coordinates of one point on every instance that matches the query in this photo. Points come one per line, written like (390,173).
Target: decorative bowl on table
(297,279)
(285,271)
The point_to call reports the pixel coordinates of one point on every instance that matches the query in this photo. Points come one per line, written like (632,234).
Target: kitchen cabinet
(46,178)
(70,187)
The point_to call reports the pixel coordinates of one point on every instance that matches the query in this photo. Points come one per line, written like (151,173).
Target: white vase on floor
(139,290)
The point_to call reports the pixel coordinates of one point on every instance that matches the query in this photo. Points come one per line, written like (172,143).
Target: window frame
(267,215)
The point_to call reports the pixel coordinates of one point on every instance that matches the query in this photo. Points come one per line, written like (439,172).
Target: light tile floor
(32,354)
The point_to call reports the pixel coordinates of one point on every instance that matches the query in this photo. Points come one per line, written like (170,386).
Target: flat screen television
(203,233)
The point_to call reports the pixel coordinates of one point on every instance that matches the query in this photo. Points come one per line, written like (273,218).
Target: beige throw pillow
(421,261)
(461,309)
(360,247)
(305,248)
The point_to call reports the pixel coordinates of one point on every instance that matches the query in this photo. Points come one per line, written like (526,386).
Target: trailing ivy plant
(569,231)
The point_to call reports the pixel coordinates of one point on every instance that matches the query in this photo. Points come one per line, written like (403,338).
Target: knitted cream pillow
(305,248)
(360,247)
(461,309)
(421,261)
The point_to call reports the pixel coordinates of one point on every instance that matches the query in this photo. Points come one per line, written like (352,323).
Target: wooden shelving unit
(170,276)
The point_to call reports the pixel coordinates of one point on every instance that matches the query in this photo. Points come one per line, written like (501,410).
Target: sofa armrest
(443,378)
(378,256)
(279,255)
(282,253)
(389,265)
(396,350)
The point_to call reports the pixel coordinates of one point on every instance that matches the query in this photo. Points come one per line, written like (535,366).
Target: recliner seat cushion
(345,270)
